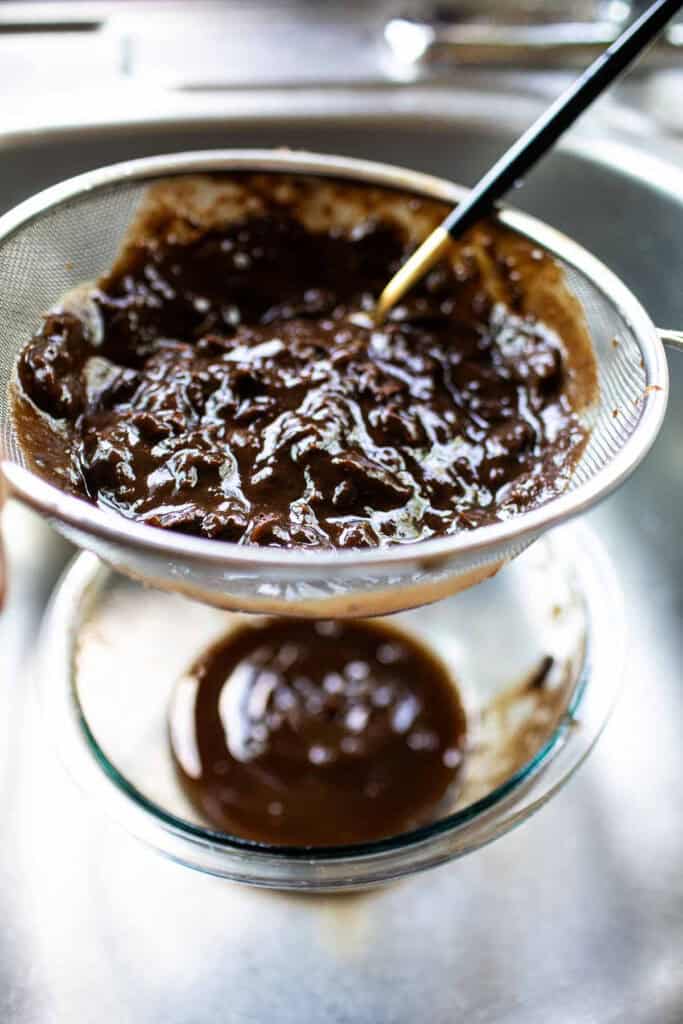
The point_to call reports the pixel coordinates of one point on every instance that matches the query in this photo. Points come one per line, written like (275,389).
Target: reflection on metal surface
(529,33)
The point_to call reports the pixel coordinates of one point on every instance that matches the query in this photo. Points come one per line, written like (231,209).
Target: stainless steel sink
(576,917)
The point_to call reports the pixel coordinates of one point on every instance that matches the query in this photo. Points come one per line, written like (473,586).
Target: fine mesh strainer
(71,233)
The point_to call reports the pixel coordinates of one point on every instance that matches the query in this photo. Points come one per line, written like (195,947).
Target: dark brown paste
(315,734)
(232,386)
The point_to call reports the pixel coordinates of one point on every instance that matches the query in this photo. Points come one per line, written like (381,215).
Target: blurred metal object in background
(51,48)
(516,32)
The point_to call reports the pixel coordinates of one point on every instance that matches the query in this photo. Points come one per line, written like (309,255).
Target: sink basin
(577,916)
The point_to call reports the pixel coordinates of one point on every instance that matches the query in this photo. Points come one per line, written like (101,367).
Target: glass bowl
(111,652)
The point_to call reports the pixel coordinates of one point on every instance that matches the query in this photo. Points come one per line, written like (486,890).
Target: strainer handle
(672,339)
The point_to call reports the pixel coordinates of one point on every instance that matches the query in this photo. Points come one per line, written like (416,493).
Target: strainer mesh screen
(621,378)
(77,240)
(63,247)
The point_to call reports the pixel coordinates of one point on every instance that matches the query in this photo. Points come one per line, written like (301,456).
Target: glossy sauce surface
(235,388)
(322,733)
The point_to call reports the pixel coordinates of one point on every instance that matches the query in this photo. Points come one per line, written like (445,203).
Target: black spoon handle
(529,148)
(545,131)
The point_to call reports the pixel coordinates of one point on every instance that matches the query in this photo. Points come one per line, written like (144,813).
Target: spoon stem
(529,148)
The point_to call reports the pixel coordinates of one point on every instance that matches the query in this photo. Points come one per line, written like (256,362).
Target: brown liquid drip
(317,734)
(239,392)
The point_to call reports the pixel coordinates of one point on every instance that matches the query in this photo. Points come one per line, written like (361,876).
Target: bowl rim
(222,556)
(589,704)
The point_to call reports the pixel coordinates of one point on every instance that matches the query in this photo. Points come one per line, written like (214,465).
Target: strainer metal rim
(110,526)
